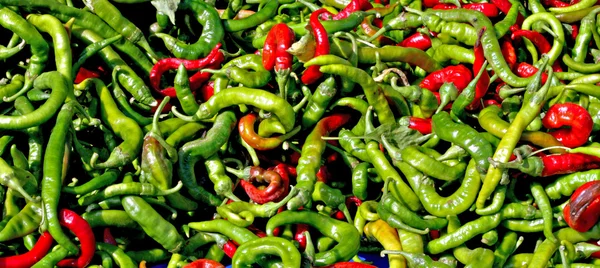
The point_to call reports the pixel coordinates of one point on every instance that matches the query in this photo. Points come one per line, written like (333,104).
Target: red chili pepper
(574,31)
(353,200)
(482,85)
(566,163)
(275,54)
(347,264)
(535,37)
(431,3)
(457,74)
(525,69)
(229,248)
(312,73)
(556,3)
(572,115)
(509,53)
(504,6)
(353,6)
(212,60)
(207,91)
(299,235)
(83,231)
(423,125)
(84,73)
(491,102)
(583,209)
(26,260)
(258,232)
(108,237)
(434,234)
(489,10)
(277,178)
(370,30)
(417,40)
(204,263)
(377,22)
(323,174)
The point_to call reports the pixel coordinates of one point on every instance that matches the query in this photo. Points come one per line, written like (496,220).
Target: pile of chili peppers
(299,133)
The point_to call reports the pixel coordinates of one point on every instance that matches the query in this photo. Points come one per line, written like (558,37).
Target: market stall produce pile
(299,133)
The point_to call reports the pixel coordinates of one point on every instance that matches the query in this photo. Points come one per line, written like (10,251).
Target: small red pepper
(535,37)
(83,231)
(509,53)
(84,73)
(572,115)
(204,263)
(423,125)
(353,6)
(108,238)
(258,232)
(491,102)
(457,74)
(278,180)
(583,209)
(525,69)
(230,248)
(299,235)
(312,73)
(482,85)
(489,10)
(26,260)
(417,40)
(207,91)
(323,174)
(574,31)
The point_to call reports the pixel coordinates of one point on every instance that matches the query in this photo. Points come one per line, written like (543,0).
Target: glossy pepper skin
(572,115)
(84,232)
(417,40)
(42,246)
(250,252)
(278,187)
(457,74)
(312,73)
(583,209)
(345,234)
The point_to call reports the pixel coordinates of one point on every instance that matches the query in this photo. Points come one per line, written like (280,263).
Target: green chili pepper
(506,248)
(123,126)
(414,156)
(534,99)
(453,204)
(345,234)
(53,170)
(39,48)
(238,234)
(193,151)
(152,223)
(129,188)
(126,76)
(118,255)
(25,222)
(110,218)
(251,251)
(319,102)
(212,31)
